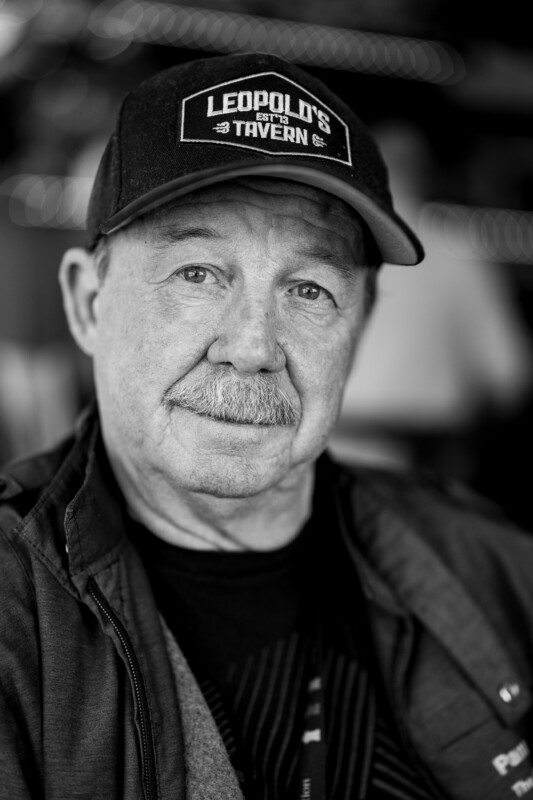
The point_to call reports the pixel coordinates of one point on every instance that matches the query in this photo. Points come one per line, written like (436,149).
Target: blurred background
(444,377)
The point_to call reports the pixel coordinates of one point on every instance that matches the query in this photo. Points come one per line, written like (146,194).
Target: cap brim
(396,241)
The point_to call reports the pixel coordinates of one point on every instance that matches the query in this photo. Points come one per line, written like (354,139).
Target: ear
(78,278)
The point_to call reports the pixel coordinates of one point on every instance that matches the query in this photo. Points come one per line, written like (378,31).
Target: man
(196,602)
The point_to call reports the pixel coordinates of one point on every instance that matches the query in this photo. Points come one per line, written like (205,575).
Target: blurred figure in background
(39,397)
(445,346)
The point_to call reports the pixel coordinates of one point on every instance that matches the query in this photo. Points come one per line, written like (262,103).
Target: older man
(196,602)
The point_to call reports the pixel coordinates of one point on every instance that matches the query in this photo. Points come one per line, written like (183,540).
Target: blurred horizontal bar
(47,201)
(497,234)
(505,235)
(313,45)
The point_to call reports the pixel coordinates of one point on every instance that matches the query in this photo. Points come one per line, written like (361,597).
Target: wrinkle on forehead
(308,195)
(309,201)
(304,206)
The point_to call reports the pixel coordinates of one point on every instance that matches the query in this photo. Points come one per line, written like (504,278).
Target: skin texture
(257,281)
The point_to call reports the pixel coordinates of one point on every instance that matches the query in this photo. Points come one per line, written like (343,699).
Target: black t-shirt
(277,643)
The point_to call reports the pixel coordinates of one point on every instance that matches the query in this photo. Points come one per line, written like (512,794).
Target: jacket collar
(401,572)
(82,496)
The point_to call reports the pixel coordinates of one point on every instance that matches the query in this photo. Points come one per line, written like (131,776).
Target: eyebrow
(173,233)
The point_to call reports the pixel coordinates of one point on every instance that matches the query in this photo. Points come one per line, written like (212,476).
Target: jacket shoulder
(466,530)
(488,554)
(424,495)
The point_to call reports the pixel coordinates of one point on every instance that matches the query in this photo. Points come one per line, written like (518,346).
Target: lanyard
(312,783)
(312,775)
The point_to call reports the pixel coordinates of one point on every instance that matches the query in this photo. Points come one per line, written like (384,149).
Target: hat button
(509,691)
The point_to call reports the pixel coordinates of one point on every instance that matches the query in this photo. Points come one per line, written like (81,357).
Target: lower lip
(237,424)
(212,436)
(229,423)
(258,432)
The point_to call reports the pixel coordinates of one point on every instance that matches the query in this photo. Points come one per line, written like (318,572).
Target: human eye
(312,292)
(195,274)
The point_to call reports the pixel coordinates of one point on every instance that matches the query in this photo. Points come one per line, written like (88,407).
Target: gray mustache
(257,401)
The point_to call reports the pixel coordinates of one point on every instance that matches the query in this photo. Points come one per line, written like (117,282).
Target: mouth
(231,420)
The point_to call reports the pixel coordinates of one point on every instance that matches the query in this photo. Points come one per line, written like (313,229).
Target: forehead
(283,203)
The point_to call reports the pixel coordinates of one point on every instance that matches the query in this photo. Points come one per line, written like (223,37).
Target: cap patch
(267,113)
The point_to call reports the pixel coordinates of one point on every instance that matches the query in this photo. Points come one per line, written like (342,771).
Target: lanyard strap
(312,778)
(312,784)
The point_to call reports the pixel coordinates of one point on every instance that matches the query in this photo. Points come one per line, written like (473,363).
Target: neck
(265,521)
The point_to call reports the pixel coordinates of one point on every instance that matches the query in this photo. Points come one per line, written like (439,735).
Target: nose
(247,339)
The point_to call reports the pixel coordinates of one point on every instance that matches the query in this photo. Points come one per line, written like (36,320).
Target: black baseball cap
(254,114)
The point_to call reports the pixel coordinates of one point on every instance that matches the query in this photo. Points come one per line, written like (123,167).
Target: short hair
(371,288)
(102,257)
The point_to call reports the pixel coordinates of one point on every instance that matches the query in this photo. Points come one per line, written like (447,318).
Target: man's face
(253,290)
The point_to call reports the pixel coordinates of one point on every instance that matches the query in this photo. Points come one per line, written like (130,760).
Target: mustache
(252,401)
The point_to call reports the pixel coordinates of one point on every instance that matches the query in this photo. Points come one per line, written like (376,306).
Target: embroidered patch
(267,113)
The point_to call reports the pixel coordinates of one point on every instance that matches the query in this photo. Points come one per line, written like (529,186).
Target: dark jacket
(89,695)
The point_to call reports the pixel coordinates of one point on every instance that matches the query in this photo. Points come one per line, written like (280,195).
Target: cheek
(330,378)
(142,350)
(124,337)
(319,362)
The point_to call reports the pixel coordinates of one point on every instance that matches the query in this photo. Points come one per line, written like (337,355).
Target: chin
(245,478)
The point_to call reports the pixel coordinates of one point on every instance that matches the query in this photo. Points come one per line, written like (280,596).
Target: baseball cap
(220,118)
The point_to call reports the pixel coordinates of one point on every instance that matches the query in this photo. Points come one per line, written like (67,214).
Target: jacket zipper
(147,743)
